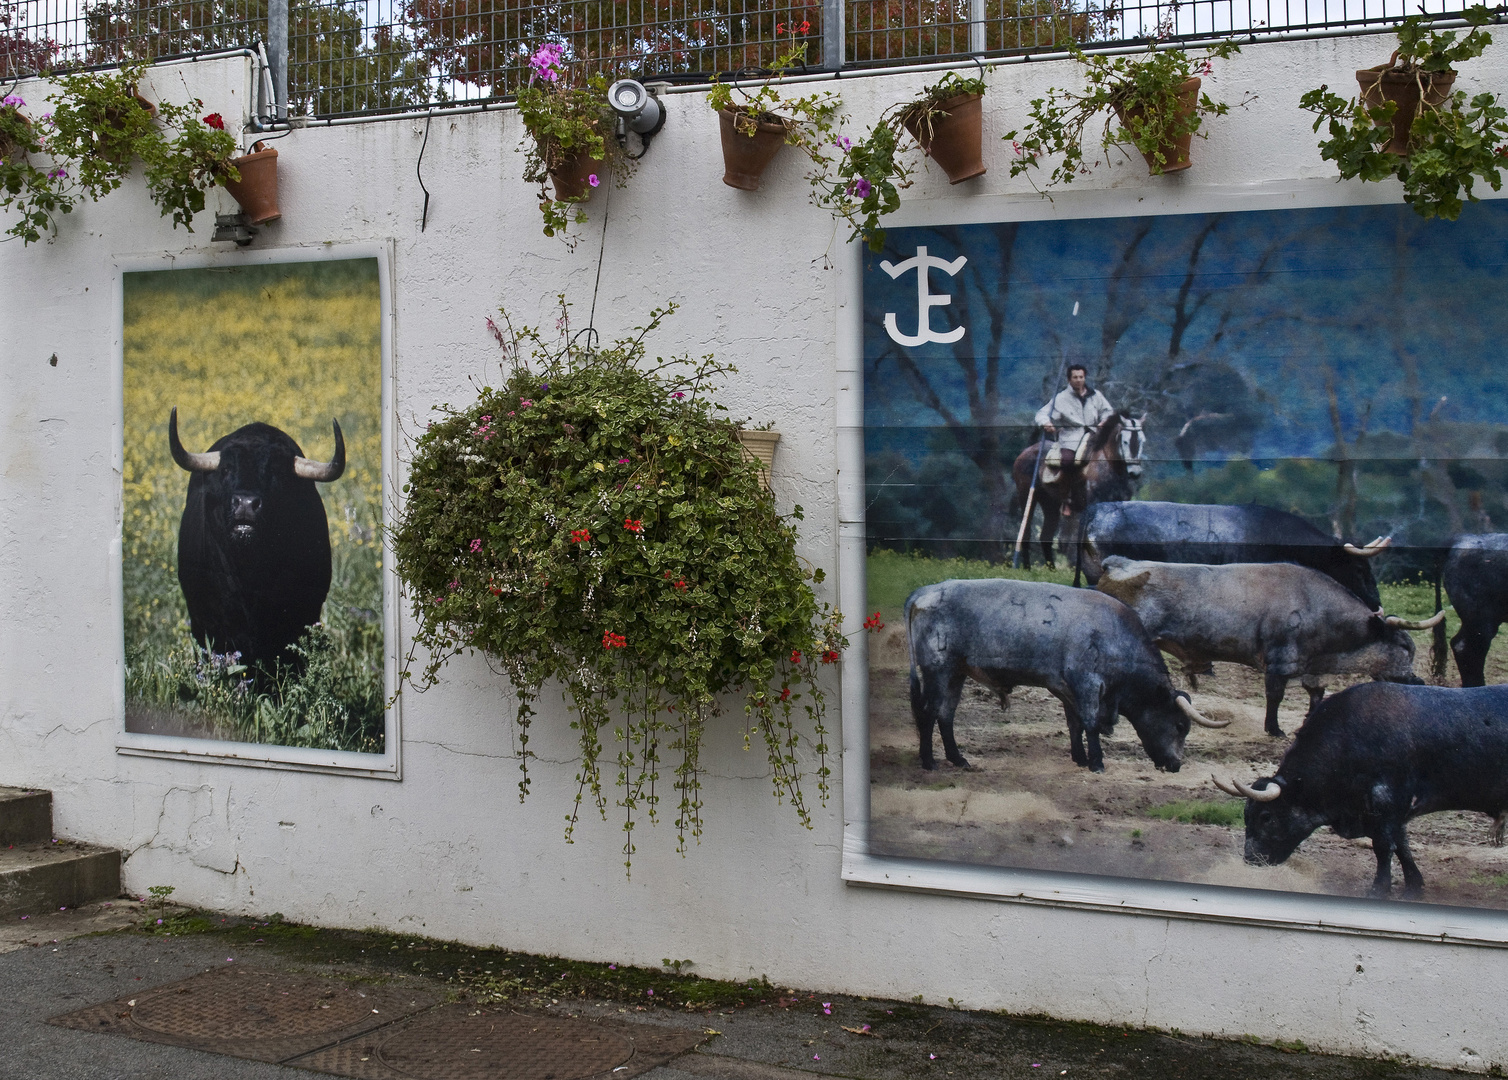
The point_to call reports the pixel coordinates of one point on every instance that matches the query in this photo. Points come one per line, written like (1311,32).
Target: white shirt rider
(1073,413)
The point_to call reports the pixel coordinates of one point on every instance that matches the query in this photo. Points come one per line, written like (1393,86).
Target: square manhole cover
(457,1042)
(382,1032)
(247,1013)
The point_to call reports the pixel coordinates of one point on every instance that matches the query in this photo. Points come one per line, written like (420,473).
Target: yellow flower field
(291,345)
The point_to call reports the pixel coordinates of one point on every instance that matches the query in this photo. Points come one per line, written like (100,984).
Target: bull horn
(1195,715)
(1225,786)
(324,471)
(1372,550)
(1267,794)
(189,462)
(1404,624)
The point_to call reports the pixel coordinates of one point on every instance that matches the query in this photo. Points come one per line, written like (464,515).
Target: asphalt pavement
(51,965)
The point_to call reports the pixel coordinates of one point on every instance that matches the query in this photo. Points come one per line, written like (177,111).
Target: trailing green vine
(37,195)
(1141,99)
(101,127)
(871,175)
(1451,143)
(594,521)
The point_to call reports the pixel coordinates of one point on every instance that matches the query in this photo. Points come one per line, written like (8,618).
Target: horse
(1111,464)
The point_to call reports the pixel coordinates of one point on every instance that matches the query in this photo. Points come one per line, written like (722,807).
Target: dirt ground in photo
(1023,803)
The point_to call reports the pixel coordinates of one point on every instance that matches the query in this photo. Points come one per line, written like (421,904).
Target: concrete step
(25,816)
(36,878)
(40,874)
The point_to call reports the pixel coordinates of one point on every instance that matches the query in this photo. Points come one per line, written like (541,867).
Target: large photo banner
(253,466)
(1182,539)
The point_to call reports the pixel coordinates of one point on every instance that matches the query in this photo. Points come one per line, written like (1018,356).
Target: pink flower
(476,545)
(860,188)
(13,100)
(593,180)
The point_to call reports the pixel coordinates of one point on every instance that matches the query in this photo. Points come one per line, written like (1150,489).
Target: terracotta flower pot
(9,148)
(573,177)
(956,142)
(745,157)
(257,190)
(1382,83)
(1175,153)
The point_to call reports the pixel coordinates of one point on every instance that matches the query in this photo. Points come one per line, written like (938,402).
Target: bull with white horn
(1372,758)
(1086,649)
(1287,621)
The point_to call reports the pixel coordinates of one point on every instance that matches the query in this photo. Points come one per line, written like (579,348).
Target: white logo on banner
(925,300)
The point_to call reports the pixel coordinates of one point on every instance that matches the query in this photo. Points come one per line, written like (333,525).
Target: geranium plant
(566,121)
(101,128)
(871,173)
(593,522)
(1142,100)
(38,195)
(809,120)
(1452,141)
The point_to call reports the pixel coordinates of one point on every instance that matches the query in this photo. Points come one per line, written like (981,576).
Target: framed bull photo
(1183,556)
(257,620)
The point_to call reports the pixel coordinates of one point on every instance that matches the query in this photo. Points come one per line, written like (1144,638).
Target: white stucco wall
(449,851)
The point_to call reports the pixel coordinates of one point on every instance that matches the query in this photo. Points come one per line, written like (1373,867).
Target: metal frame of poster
(386,764)
(862,864)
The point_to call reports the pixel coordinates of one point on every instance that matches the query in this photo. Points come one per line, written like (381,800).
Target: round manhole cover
(504,1046)
(252,1007)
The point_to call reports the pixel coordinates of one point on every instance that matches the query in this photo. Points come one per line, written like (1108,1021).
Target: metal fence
(349,57)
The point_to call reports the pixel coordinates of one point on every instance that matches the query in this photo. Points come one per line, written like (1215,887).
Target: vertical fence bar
(832,34)
(976,26)
(277,41)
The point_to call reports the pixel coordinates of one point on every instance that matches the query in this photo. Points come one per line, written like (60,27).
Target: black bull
(1215,534)
(1086,649)
(1375,756)
(254,544)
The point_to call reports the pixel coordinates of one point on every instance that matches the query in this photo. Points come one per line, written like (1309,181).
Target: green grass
(1227,812)
(894,575)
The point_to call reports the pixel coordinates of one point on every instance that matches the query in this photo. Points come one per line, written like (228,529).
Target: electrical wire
(607,203)
(419,172)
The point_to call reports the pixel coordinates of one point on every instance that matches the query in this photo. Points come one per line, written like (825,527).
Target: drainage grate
(457,1043)
(237,1009)
(243,1012)
(389,1032)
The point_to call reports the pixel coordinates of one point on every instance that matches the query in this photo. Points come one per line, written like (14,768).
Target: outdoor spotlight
(638,110)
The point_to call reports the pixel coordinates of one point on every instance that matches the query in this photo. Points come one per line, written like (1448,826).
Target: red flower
(681,585)
(795,656)
(830,656)
(785,693)
(873,622)
(580,536)
(215,120)
(633,525)
(805,26)
(611,640)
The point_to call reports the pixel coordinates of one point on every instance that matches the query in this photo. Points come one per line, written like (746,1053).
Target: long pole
(1031,494)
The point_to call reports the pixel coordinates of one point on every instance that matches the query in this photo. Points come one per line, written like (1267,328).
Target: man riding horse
(1071,417)
(1096,457)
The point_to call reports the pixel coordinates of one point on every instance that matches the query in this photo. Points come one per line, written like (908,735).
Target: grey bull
(1089,651)
(1285,620)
